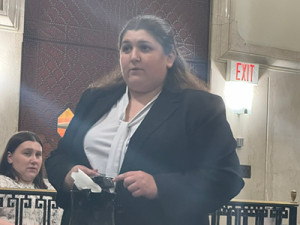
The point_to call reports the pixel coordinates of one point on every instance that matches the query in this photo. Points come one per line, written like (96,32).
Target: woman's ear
(9,157)
(171,58)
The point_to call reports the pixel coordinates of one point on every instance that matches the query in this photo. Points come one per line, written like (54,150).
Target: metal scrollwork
(242,211)
(21,199)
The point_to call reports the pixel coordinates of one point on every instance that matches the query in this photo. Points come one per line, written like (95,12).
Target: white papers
(83,181)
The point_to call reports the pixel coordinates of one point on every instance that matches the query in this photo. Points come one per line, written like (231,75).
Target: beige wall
(11,37)
(251,127)
(271,23)
(272,131)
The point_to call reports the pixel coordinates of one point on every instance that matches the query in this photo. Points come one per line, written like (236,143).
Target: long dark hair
(7,169)
(179,75)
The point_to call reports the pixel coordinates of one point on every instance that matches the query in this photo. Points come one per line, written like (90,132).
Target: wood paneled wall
(70,43)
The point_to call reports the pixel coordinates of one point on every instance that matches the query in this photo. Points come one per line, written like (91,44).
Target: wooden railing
(244,212)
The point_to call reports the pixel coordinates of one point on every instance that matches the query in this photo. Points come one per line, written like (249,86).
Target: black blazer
(185,142)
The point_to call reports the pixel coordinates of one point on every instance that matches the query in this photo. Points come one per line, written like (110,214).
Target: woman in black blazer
(179,161)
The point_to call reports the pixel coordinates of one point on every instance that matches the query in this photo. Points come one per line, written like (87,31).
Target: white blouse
(31,216)
(106,143)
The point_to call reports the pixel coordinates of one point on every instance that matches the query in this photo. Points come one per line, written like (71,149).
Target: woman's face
(26,160)
(143,62)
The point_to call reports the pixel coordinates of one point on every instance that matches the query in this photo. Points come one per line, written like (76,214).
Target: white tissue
(83,181)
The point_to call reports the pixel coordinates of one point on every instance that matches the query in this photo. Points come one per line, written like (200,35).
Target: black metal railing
(244,212)
(237,212)
(20,199)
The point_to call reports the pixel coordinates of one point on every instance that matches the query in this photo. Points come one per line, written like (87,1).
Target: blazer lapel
(101,104)
(163,107)
(104,103)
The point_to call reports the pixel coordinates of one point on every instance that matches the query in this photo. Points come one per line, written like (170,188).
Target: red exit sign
(242,71)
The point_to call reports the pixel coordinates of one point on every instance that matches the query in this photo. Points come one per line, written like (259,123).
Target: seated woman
(20,167)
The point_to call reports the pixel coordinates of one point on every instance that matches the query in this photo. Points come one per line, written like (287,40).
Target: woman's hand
(69,182)
(139,184)
(5,222)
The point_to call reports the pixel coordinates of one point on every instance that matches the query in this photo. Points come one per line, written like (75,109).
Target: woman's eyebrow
(144,42)
(139,42)
(125,41)
(31,149)
(28,149)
